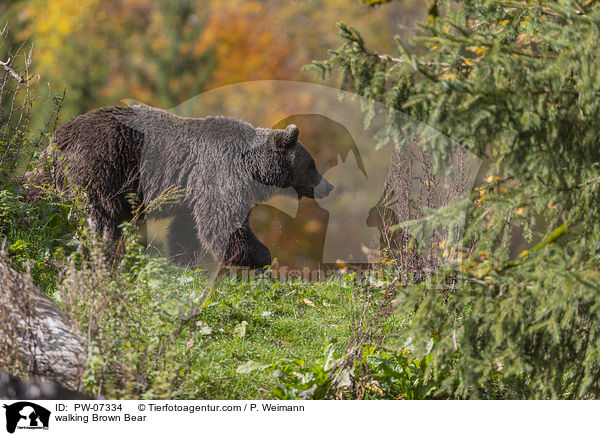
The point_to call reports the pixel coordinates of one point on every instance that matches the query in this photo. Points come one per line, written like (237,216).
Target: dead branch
(13,73)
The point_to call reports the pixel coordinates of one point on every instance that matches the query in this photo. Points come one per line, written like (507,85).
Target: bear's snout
(323,189)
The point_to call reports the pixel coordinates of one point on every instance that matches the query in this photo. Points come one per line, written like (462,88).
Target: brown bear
(223,166)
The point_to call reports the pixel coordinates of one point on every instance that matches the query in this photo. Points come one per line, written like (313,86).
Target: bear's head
(282,161)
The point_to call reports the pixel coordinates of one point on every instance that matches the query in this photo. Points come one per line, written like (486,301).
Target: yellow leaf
(523,253)
(521,39)
(492,178)
(477,50)
(308,302)
(481,195)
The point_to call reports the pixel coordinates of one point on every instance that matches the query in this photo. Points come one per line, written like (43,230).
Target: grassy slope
(284,320)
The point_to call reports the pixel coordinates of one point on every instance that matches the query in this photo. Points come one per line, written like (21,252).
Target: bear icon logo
(24,414)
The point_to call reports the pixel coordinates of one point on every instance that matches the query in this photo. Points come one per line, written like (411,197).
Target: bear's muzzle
(323,189)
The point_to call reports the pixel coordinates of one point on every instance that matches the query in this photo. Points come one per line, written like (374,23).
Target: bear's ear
(290,135)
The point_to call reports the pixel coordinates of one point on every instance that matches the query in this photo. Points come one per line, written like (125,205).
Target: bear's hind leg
(182,242)
(245,249)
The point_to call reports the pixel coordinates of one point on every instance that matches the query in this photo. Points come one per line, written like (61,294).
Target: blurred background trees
(163,53)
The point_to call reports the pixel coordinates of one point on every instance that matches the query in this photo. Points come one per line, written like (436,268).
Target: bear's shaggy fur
(223,166)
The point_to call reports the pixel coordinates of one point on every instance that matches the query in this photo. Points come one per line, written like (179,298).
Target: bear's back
(98,151)
(85,130)
(220,135)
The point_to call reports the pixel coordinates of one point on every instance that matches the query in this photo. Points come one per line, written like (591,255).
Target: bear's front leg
(245,249)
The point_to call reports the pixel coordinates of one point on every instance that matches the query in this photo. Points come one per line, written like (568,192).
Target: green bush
(35,233)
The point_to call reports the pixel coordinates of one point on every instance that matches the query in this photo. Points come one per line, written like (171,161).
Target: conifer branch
(389,58)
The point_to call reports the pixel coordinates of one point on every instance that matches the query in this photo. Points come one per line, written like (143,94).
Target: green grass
(131,308)
(263,321)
